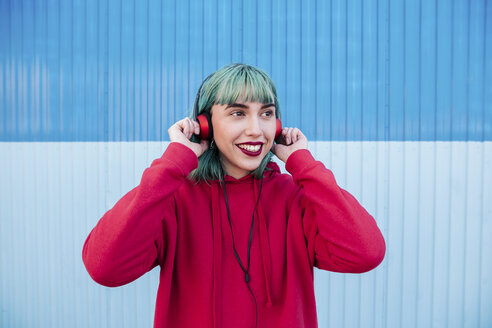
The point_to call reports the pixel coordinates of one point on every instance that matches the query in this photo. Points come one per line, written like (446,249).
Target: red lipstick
(251,153)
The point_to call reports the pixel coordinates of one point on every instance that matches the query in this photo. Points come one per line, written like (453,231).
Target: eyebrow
(244,106)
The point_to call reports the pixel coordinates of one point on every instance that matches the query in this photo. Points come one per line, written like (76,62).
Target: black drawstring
(246,271)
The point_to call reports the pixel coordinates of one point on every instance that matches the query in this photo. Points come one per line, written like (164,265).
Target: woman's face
(244,133)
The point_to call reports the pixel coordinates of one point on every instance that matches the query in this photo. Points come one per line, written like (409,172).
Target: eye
(237,113)
(268,113)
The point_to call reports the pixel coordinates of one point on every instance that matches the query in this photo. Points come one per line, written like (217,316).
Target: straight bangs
(246,85)
(238,83)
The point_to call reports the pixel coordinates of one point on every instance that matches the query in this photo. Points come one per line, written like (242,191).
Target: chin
(254,166)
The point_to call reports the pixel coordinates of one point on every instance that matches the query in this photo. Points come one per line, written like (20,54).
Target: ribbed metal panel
(371,76)
(345,70)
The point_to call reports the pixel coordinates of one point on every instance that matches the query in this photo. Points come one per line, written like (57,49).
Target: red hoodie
(303,220)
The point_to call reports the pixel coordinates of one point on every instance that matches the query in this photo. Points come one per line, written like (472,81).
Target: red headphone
(207,131)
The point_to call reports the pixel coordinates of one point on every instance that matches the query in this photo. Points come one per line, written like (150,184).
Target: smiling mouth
(251,149)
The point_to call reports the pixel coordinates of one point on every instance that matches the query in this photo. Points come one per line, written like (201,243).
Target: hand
(182,131)
(291,139)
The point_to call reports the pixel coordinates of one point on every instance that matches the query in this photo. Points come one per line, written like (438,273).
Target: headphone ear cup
(206,129)
(279,128)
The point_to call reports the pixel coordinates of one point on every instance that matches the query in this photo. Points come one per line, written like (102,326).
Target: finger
(286,135)
(176,127)
(292,135)
(190,127)
(181,124)
(296,135)
(300,135)
(289,136)
(185,128)
(196,127)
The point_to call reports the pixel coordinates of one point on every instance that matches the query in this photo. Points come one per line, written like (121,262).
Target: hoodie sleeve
(341,236)
(140,230)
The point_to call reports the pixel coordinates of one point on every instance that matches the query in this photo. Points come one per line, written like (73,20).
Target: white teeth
(250,147)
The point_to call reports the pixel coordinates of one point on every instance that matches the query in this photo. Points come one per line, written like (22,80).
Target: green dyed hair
(226,86)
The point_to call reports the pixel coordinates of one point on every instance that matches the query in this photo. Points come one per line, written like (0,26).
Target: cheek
(224,139)
(219,133)
(271,130)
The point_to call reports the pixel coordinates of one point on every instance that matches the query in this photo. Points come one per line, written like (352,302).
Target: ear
(206,129)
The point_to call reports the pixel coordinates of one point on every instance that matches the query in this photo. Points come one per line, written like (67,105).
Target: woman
(236,240)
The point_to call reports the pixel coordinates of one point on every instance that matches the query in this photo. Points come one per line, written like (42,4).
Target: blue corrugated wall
(345,70)
(395,97)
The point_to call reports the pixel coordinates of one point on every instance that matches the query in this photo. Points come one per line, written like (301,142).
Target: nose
(253,127)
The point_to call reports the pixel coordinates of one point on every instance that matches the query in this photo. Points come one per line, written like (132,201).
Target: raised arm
(140,230)
(341,236)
